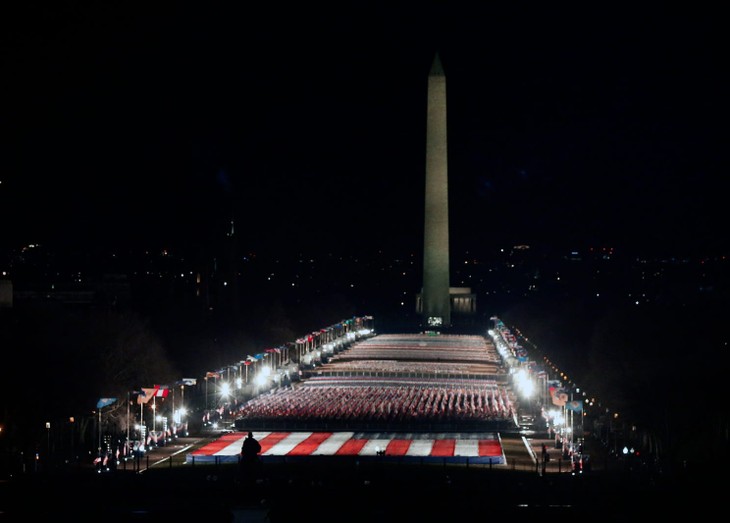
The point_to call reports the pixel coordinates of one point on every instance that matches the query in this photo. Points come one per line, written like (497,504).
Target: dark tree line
(61,360)
(660,365)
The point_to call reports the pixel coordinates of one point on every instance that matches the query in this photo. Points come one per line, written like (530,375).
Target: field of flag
(485,448)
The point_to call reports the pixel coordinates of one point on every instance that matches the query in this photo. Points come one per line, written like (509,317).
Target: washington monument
(436,305)
(438,300)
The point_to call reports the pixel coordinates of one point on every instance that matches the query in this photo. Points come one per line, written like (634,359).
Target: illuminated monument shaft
(436,305)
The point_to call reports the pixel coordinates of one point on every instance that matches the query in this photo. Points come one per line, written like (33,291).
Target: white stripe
(286,445)
(331,445)
(232,449)
(235,447)
(420,447)
(466,447)
(373,446)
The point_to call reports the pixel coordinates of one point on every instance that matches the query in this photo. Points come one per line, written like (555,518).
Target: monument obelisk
(435,304)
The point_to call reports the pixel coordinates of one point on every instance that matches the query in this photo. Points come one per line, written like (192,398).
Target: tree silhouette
(66,359)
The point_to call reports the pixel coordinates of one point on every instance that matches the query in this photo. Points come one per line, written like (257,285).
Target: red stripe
(272,439)
(443,447)
(489,448)
(309,445)
(398,447)
(352,447)
(217,445)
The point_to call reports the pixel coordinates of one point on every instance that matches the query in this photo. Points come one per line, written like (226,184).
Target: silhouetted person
(249,461)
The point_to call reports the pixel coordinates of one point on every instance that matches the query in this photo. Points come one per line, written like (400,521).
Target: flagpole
(581,420)
(182,403)
(141,422)
(99,431)
(572,427)
(565,428)
(581,424)
(173,408)
(129,422)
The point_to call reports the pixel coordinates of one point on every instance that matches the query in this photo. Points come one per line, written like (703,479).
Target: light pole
(71,421)
(207,407)
(99,433)
(48,441)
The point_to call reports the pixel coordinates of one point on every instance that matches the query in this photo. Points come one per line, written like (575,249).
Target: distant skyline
(156,127)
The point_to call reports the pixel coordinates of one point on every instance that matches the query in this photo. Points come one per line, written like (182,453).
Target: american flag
(479,447)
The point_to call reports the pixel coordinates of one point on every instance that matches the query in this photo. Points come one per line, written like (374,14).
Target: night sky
(130,124)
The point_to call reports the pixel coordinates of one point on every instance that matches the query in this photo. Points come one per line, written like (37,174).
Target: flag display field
(449,447)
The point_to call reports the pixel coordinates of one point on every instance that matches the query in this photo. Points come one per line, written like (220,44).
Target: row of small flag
(248,361)
(145,394)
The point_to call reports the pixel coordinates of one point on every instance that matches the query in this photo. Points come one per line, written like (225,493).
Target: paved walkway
(559,462)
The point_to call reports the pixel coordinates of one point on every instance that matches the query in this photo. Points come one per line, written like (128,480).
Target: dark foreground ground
(352,491)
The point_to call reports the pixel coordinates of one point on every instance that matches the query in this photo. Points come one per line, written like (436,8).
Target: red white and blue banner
(451,447)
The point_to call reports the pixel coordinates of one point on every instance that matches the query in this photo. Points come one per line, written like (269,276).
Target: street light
(178,417)
(71,421)
(48,438)
(225,389)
